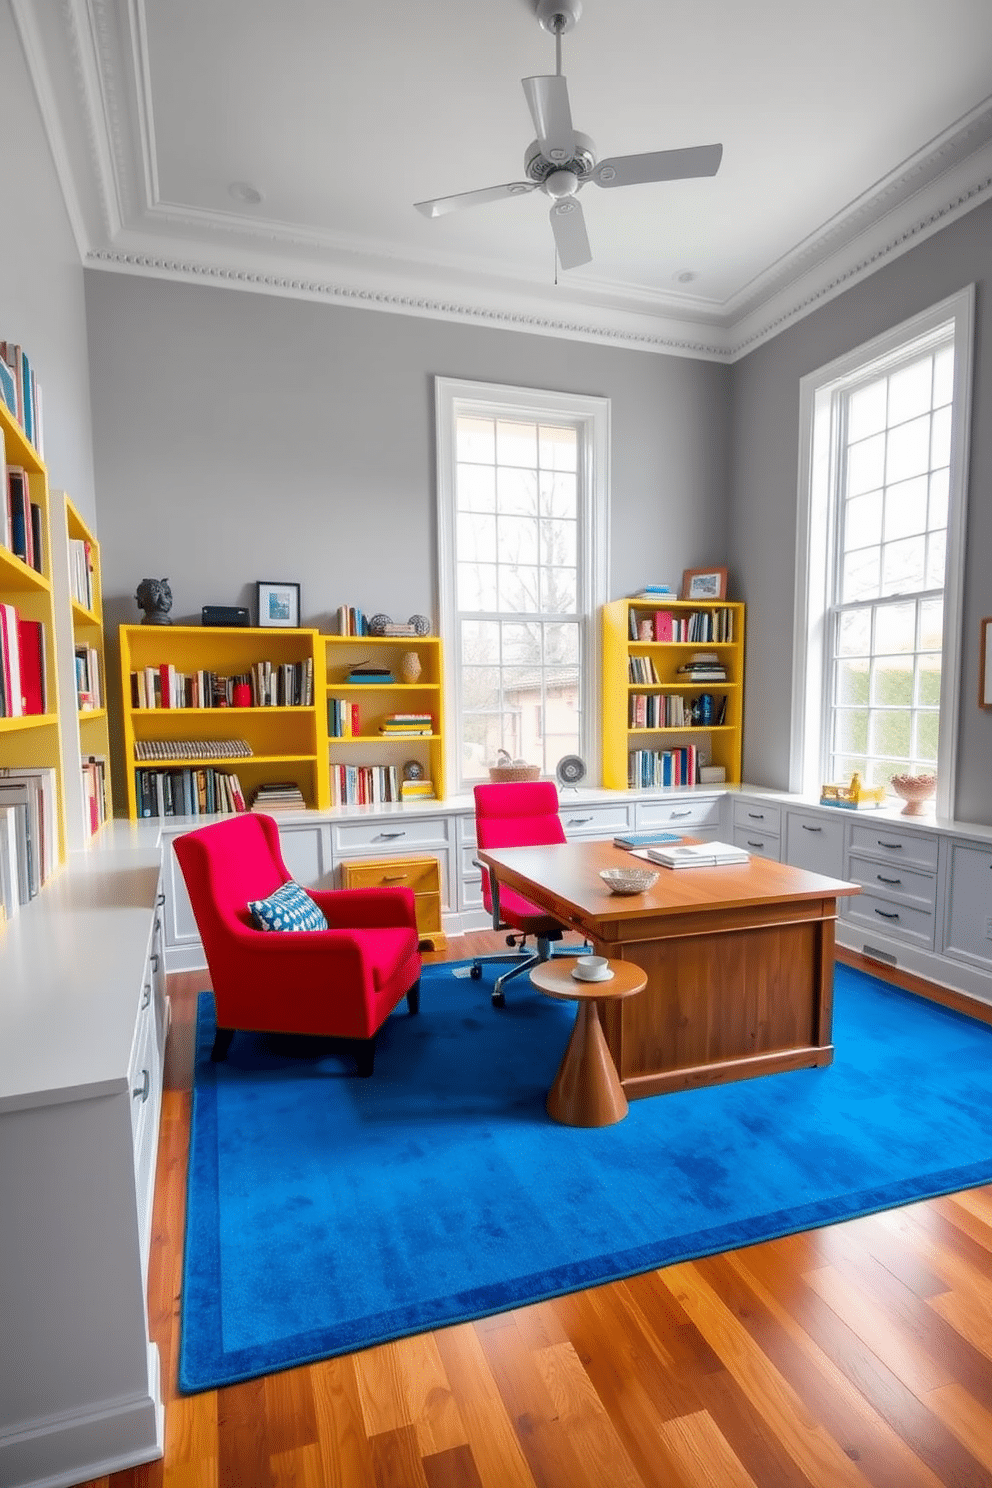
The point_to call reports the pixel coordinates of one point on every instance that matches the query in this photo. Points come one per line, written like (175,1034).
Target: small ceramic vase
(410,667)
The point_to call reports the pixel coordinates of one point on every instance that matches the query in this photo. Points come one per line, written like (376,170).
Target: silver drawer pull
(147,997)
(578,821)
(143,1089)
(882,879)
(887,914)
(673,815)
(388,836)
(807,828)
(889,844)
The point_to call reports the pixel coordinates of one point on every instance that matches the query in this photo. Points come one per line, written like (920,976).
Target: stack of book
(364,785)
(417,790)
(94,768)
(282,795)
(351,621)
(19,390)
(654,591)
(647,769)
(342,719)
(371,676)
(188,792)
(89,684)
(23,679)
(81,572)
(705,666)
(191,749)
(20,518)
(407,725)
(28,833)
(698,855)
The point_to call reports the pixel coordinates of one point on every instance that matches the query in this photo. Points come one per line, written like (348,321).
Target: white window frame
(819,397)
(590,416)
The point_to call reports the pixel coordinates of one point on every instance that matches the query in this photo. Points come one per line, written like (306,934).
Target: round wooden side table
(587,1089)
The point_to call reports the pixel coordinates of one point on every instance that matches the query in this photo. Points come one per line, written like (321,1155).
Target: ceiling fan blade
(443,204)
(547,98)
(659,165)
(571,239)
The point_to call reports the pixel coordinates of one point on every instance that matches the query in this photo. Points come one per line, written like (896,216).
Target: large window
(882,503)
(523,528)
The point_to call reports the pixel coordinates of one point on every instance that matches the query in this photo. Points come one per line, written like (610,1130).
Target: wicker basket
(510,774)
(507,772)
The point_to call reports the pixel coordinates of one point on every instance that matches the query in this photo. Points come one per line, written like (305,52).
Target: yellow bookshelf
(376,701)
(79,619)
(622,622)
(34,741)
(286,741)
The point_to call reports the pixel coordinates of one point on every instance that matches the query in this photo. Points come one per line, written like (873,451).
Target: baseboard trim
(897,976)
(72,1447)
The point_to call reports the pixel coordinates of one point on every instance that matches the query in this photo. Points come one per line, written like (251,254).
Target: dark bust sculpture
(154,597)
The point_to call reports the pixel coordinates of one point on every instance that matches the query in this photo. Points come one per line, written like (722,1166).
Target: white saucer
(604,976)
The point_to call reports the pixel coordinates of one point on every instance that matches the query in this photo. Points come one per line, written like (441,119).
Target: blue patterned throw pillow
(289,908)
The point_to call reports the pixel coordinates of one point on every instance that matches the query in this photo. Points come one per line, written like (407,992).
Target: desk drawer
(594,821)
(762,844)
(880,840)
(422,875)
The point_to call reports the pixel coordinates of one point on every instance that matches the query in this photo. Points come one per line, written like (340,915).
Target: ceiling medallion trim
(189,269)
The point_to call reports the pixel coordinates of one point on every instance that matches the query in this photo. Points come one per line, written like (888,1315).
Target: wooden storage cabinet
(286,742)
(422,875)
(366,747)
(621,653)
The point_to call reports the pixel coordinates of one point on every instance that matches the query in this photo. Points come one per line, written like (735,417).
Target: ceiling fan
(561,160)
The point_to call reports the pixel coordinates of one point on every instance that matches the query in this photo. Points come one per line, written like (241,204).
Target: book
(646,838)
(10,892)
(10,662)
(31,641)
(698,855)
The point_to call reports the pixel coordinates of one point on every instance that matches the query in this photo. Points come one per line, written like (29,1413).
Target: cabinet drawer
(763,844)
(387,835)
(422,875)
(594,821)
(758,815)
(815,841)
(900,920)
(895,844)
(682,812)
(904,885)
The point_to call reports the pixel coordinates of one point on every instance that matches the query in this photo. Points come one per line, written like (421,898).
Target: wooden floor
(858,1354)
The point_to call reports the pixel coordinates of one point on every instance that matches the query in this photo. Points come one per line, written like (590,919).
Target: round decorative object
(628,880)
(915,790)
(378,623)
(413,770)
(421,624)
(570,770)
(154,598)
(410,667)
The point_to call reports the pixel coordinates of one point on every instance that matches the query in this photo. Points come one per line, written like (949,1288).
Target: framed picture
(985,665)
(704,583)
(278,605)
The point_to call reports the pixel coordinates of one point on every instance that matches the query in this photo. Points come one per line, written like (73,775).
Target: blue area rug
(327,1213)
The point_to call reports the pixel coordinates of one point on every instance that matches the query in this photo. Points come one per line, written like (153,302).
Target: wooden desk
(739,960)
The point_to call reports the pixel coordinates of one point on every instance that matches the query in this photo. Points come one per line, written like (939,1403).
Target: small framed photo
(985,665)
(704,583)
(278,605)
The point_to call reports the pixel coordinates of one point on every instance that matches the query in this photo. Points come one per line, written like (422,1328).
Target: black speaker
(225,615)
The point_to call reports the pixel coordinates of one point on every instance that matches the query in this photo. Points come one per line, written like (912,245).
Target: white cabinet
(82,1025)
(898,868)
(967,935)
(581,820)
(756,826)
(697,816)
(814,840)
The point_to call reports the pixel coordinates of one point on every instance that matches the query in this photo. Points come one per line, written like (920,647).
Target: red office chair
(524,814)
(343,981)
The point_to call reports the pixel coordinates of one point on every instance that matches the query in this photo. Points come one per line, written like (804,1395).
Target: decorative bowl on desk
(915,790)
(628,880)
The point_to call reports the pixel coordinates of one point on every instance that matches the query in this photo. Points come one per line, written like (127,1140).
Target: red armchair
(343,981)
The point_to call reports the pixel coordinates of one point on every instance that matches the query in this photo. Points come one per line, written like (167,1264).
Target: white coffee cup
(592,968)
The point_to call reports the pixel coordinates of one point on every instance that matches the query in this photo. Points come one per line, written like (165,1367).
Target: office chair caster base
(476,973)
(499,999)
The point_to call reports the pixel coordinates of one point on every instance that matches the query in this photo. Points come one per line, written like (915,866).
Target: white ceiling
(851,129)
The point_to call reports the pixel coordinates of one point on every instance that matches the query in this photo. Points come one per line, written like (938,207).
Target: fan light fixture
(561,161)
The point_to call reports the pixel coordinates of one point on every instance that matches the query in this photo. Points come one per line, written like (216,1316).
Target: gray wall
(42,302)
(241,437)
(764,459)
